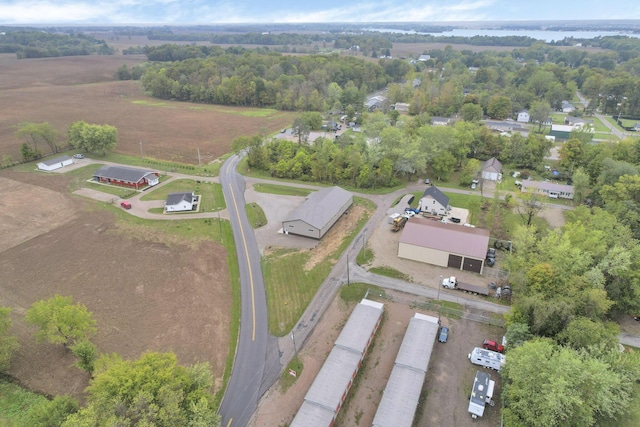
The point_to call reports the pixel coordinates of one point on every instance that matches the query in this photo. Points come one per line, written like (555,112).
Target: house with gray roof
(507,126)
(180,202)
(434,202)
(549,189)
(126,176)
(444,244)
(440,121)
(318,213)
(492,170)
(56,163)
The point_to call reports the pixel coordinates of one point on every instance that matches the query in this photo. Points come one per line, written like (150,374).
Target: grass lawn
(283,190)
(290,284)
(390,272)
(211,199)
(255,215)
(15,403)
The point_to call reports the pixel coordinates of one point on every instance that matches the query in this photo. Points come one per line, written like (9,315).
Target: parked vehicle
(125,205)
(78,156)
(452,283)
(427,181)
(398,223)
(487,358)
(493,346)
(444,334)
(414,210)
(481,394)
(455,220)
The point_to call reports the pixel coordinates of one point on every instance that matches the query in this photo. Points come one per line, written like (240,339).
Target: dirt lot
(151,294)
(447,387)
(62,91)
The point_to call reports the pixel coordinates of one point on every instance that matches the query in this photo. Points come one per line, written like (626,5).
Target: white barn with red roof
(444,244)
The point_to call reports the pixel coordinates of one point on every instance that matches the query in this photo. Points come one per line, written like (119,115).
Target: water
(547,36)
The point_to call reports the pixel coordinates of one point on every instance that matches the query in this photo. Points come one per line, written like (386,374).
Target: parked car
(283,130)
(493,346)
(473,186)
(454,219)
(444,334)
(125,205)
(78,156)
(427,181)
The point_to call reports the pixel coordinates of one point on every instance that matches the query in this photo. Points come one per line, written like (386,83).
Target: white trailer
(481,394)
(487,358)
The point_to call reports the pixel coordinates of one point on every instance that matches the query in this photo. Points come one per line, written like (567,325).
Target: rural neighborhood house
(445,245)
(492,170)
(549,189)
(181,202)
(318,213)
(53,164)
(434,202)
(126,176)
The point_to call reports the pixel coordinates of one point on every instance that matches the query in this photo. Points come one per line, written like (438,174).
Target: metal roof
(122,173)
(400,399)
(321,206)
(478,397)
(436,194)
(358,329)
(547,186)
(451,238)
(56,160)
(176,198)
(311,414)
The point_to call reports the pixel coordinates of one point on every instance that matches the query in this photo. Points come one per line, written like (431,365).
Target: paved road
(255,357)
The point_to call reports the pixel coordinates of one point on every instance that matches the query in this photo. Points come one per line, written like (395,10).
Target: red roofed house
(444,244)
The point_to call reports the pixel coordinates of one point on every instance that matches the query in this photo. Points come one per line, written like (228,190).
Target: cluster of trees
(92,138)
(564,362)
(152,390)
(307,83)
(39,44)
(36,135)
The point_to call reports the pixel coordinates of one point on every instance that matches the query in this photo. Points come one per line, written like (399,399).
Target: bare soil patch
(150,294)
(64,90)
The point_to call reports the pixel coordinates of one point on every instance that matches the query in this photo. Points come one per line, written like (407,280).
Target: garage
(455,261)
(471,264)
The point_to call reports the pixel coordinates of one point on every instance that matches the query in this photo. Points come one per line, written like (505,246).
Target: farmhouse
(445,245)
(318,213)
(492,170)
(331,386)
(53,164)
(550,189)
(440,121)
(126,176)
(434,201)
(507,126)
(567,107)
(180,202)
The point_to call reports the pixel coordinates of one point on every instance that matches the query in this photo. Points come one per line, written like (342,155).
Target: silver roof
(321,206)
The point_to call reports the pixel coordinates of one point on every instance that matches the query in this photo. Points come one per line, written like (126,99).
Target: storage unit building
(444,244)
(126,176)
(400,399)
(318,213)
(331,386)
(56,163)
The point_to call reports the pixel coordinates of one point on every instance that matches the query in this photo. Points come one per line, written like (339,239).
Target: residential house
(507,127)
(550,189)
(576,121)
(440,121)
(126,176)
(401,107)
(434,202)
(567,107)
(181,202)
(492,170)
(56,163)
(375,103)
(523,117)
(424,58)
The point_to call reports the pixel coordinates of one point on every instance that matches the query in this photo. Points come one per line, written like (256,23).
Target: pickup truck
(493,346)
(452,283)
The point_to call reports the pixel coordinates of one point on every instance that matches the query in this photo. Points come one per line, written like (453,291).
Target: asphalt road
(252,358)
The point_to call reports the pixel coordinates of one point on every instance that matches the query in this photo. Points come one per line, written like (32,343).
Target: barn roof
(321,206)
(451,238)
(122,173)
(60,159)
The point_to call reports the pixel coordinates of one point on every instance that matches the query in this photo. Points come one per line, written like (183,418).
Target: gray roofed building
(550,189)
(127,176)
(178,202)
(55,163)
(492,169)
(318,213)
(440,121)
(434,201)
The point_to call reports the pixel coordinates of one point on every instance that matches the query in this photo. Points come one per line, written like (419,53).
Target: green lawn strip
(286,379)
(389,272)
(355,292)
(255,215)
(161,166)
(290,287)
(283,190)
(15,403)
(211,196)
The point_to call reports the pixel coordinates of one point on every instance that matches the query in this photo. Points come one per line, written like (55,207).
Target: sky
(89,12)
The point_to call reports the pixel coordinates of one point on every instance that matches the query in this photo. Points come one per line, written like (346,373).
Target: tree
(150,391)
(35,133)
(471,112)
(93,138)
(52,413)
(499,107)
(301,129)
(528,207)
(8,343)
(580,184)
(583,333)
(443,164)
(87,353)
(60,321)
(540,112)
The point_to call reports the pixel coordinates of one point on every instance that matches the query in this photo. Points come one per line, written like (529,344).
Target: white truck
(481,394)
(487,358)
(452,283)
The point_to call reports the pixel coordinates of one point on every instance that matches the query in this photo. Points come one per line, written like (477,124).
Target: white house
(53,164)
(434,201)
(549,189)
(567,107)
(180,202)
(523,117)
(492,170)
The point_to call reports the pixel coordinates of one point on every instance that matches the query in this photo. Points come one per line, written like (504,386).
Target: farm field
(64,90)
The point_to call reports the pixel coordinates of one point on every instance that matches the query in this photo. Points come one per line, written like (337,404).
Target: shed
(180,202)
(56,163)
(318,213)
(492,170)
(445,245)
(126,176)
(523,117)
(434,201)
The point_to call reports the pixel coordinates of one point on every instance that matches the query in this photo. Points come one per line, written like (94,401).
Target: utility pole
(348,282)
(295,351)
(198,148)
(141,152)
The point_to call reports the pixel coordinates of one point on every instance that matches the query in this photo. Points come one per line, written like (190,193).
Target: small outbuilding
(444,245)
(523,117)
(318,213)
(492,170)
(434,202)
(53,164)
(180,202)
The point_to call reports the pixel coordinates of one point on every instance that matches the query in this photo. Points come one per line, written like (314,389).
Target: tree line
(40,44)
